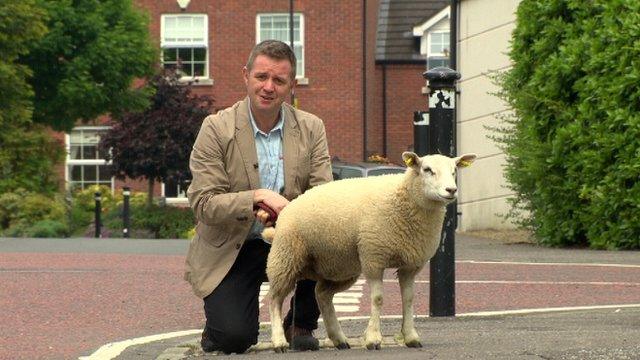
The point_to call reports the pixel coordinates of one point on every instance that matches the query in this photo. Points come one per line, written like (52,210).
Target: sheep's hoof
(280,347)
(414,344)
(373,346)
(343,346)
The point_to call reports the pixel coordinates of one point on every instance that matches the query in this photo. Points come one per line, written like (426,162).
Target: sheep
(336,231)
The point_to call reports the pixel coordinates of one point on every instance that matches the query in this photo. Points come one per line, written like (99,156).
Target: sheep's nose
(452,190)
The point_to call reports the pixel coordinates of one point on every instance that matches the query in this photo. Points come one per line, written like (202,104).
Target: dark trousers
(232,308)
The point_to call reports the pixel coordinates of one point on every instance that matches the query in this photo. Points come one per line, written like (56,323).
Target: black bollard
(98,211)
(126,193)
(442,97)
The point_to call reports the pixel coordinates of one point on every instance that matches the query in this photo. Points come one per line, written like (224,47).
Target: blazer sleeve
(320,159)
(210,195)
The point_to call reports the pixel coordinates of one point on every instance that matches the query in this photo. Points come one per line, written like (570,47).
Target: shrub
(573,145)
(25,213)
(82,212)
(47,229)
(164,222)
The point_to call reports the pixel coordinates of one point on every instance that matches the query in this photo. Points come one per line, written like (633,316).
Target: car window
(348,173)
(375,172)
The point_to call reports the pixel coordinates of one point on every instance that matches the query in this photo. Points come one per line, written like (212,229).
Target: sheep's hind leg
(324,294)
(406,279)
(373,336)
(277,293)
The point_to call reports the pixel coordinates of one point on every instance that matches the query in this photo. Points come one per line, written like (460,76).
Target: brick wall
(404,84)
(333,58)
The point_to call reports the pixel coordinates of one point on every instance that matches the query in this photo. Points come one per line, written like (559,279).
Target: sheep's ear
(465,160)
(411,160)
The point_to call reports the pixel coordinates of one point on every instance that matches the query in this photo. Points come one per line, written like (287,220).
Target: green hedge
(573,146)
(28,214)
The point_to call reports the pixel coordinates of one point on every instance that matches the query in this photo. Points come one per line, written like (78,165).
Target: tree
(27,152)
(574,143)
(156,144)
(85,65)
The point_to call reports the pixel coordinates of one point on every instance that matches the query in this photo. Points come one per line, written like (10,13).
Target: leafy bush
(24,213)
(82,212)
(164,222)
(573,146)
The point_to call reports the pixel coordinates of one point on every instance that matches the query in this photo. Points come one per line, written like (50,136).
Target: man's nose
(268,85)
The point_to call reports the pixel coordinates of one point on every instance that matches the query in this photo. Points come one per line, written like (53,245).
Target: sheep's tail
(268,234)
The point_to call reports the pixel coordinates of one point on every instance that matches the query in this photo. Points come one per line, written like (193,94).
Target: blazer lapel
(290,151)
(245,138)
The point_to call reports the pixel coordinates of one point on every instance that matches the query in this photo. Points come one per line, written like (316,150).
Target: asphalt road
(63,298)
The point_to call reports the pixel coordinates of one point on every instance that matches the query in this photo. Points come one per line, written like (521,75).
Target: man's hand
(270,198)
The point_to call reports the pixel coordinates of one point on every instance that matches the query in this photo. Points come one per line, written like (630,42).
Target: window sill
(197,81)
(176,201)
(303,81)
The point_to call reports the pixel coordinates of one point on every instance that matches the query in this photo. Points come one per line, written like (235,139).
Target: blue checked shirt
(270,162)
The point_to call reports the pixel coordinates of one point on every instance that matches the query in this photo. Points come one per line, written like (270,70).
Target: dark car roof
(366,165)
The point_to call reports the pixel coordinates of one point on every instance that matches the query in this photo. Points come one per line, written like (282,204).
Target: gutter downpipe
(384,109)
(364,80)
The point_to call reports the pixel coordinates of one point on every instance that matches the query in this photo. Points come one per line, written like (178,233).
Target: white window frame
(71,162)
(300,65)
(179,200)
(430,41)
(188,44)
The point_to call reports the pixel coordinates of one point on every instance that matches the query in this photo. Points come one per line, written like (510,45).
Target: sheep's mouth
(447,198)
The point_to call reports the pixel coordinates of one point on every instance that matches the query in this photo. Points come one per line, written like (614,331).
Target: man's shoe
(207,344)
(301,339)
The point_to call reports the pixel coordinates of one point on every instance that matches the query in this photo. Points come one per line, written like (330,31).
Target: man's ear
(245,75)
(411,159)
(465,160)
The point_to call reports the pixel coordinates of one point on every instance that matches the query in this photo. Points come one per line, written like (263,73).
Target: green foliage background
(573,146)
(84,66)
(27,152)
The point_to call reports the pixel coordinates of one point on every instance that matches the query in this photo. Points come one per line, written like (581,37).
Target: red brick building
(359,67)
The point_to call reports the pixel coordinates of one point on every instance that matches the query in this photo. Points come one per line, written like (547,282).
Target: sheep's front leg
(324,295)
(373,336)
(406,279)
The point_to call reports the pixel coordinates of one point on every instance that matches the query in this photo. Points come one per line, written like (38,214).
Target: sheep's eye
(428,170)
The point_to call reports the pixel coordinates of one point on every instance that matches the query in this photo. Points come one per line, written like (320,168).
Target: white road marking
(350,296)
(111,350)
(515,282)
(545,264)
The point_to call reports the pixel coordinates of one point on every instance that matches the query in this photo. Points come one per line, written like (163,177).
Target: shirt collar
(257,131)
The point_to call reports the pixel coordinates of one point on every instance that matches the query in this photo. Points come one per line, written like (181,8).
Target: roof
(395,41)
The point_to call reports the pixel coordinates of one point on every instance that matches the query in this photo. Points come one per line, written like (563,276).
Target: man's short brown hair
(274,49)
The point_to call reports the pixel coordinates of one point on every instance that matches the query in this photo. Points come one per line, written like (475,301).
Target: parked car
(346,170)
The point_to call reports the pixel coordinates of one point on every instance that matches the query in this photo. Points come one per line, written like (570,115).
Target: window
(438,49)
(184,43)
(175,191)
(276,27)
(86,165)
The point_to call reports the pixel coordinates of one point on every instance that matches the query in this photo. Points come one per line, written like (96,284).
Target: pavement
(515,301)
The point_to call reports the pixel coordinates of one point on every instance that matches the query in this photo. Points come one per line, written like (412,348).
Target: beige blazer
(225,174)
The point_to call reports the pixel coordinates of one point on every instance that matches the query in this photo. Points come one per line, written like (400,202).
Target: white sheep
(336,231)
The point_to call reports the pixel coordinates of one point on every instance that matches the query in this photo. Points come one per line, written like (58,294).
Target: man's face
(268,84)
